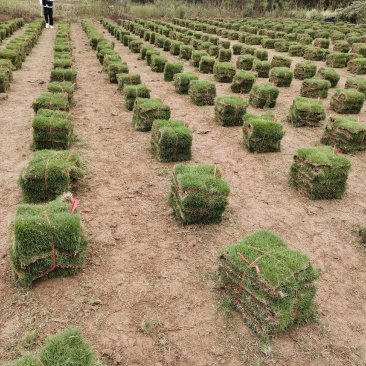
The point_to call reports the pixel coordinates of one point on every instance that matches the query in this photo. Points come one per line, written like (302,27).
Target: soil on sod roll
(145,111)
(65,348)
(198,194)
(229,110)
(49,173)
(346,133)
(46,241)
(270,284)
(262,134)
(306,112)
(320,173)
(171,140)
(52,130)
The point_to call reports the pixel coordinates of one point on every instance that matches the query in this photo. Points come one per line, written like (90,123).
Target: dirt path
(142,265)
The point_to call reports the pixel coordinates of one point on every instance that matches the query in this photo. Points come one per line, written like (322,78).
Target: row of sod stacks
(347,101)
(262,134)
(198,194)
(46,241)
(270,284)
(66,348)
(229,110)
(306,112)
(146,111)
(347,133)
(49,174)
(12,56)
(171,140)
(320,173)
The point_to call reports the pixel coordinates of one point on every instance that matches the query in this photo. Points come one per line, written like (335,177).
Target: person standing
(48,12)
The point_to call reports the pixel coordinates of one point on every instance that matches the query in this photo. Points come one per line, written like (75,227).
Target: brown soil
(144,266)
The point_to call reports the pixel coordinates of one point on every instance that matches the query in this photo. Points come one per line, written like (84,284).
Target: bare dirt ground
(142,265)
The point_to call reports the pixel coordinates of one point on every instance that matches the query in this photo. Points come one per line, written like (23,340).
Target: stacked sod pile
(198,194)
(336,59)
(65,87)
(263,95)
(46,241)
(261,68)
(270,284)
(127,79)
(320,173)
(182,80)
(306,112)
(207,64)
(52,130)
(172,68)
(347,101)
(357,66)
(66,348)
(281,76)
(202,92)
(315,88)
(49,174)
(243,82)
(146,111)
(132,92)
(304,70)
(229,110)
(171,140)
(358,83)
(224,72)
(347,133)
(327,73)
(55,101)
(262,134)
(245,62)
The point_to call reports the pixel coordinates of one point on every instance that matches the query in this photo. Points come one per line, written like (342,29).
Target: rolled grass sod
(52,130)
(63,75)
(315,88)
(306,112)
(245,62)
(13,56)
(196,57)
(144,48)
(346,133)
(263,95)
(145,111)
(198,194)
(282,46)
(132,92)
(56,101)
(172,68)
(202,92)
(171,140)
(357,83)
(357,66)
(237,48)
(296,49)
(224,55)
(261,54)
(322,42)
(247,50)
(347,101)
(49,173)
(319,173)
(336,60)
(127,79)
(328,73)
(149,54)
(4,80)
(281,76)
(229,110)
(304,70)
(359,48)
(175,47)
(7,66)
(261,68)
(65,348)
(62,87)
(270,284)
(281,61)
(182,80)
(262,134)
(158,63)
(243,82)
(206,65)
(116,68)
(314,53)
(341,46)
(224,72)
(185,52)
(46,241)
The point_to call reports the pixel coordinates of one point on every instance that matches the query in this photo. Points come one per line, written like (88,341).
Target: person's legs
(50,15)
(45,12)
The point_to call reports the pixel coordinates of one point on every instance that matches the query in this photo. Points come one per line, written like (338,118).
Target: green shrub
(158,63)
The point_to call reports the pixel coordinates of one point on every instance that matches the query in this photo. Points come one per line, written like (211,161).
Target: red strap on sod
(74,205)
